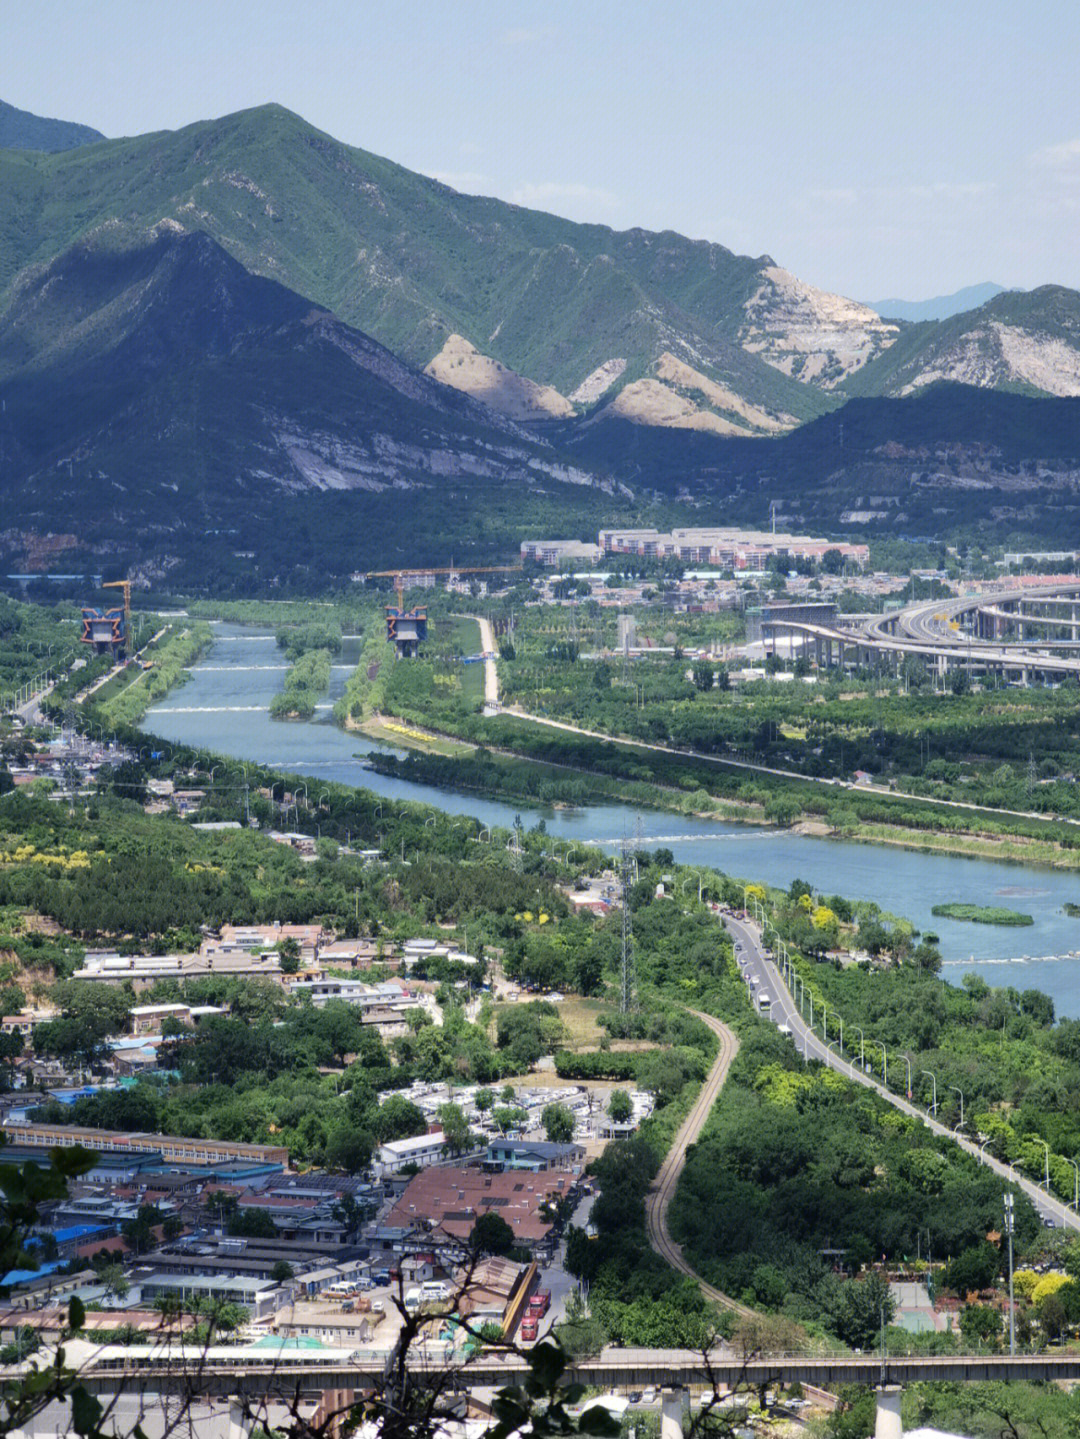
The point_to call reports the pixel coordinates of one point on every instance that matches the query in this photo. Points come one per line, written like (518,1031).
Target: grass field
(465,634)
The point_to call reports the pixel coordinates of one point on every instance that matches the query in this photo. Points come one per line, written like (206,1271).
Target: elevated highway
(1018,633)
(614,1368)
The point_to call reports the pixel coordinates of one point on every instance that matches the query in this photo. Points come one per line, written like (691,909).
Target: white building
(421,1150)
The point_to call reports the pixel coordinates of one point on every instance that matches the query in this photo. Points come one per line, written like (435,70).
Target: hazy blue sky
(879,150)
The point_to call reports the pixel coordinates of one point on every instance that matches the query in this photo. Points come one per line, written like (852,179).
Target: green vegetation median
(127,697)
(305,683)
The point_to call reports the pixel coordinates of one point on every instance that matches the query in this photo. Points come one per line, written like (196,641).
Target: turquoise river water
(224,707)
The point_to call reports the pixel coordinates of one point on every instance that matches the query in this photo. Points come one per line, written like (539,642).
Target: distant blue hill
(940,307)
(19,130)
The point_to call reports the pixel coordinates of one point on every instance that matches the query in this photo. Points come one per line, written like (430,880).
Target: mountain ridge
(22,130)
(938,307)
(200,400)
(410,260)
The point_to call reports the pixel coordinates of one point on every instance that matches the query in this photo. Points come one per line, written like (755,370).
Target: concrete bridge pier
(673,1404)
(888,1424)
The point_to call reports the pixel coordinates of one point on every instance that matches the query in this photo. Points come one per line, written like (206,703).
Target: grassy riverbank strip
(127,697)
(580,766)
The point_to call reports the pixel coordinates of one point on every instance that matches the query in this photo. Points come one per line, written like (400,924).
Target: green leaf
(76,1315)
(86,1412)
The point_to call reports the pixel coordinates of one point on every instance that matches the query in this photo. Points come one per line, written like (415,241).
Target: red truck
(527,1333)
(539,1304)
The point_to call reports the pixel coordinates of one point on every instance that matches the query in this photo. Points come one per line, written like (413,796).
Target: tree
(558,1123)
(139,1232)
(491,1235)
(455,1126)
(282,1272)
(1052,1316)
(115,1282)
(927,959)
(703,676)
(289,956)
(980,1325)
(858,1308)
(509,1117)
(485,1098)
(973,1269)
(253,1224)
(397,1118)
(620,1106)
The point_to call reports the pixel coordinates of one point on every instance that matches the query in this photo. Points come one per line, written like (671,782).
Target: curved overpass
(966,632)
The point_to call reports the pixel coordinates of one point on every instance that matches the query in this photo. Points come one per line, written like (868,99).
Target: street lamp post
(1046,1181)
(884,1062)
(1076,1184)
(933,1081)
(907,1061)
(1009,1233)
(862,1049)
(957,1090)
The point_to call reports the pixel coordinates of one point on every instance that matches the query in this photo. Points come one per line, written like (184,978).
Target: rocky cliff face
(809,334)
(996,355)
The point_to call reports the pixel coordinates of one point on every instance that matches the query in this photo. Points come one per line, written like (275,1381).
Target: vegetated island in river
(982,914)
(1072,910)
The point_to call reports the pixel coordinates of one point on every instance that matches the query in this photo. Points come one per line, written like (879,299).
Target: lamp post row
(790,976)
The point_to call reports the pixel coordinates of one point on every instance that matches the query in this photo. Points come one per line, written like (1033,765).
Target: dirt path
(658,1200)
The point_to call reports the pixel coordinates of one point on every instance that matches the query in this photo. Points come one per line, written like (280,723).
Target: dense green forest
(801,1173)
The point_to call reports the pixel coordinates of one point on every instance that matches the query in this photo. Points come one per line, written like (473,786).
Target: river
(224,707)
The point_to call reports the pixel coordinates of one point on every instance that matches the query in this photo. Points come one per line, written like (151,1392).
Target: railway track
(658,1201)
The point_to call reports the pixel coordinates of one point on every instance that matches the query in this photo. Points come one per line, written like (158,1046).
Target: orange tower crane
(124,585)
(399,576)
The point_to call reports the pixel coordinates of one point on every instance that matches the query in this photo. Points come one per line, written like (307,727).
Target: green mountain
(161,406)
(411,262)
(1027,340)
(952,461)
(20,130)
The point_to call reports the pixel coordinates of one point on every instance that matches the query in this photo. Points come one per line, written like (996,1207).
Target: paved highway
(772,997)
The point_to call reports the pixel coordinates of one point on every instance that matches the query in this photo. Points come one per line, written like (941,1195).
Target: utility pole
(627,995)
(1009,1234)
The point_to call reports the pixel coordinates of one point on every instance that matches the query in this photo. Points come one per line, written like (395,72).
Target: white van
(766,1003)
(412,1301)
(434,1289)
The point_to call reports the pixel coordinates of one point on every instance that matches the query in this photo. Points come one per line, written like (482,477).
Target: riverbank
(392,730)
(126,697)
(224,708)
(822,808)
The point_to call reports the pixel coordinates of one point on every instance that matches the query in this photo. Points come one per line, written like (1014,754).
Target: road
(491,670)
(727,762)
(783,1010)
(658,1201)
